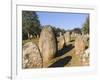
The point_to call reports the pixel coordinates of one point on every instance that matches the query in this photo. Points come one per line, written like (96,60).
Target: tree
(58,30)
(77,30)
(85,28)
(30,24)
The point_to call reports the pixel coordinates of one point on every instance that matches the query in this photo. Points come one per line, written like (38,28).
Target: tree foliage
(85,28)
(30,23)
(76,30)
(58,30)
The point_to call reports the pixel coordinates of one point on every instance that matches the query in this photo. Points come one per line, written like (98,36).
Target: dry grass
(65,58)
(36,40)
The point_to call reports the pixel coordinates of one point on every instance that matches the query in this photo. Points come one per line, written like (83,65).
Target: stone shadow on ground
(72,40)
(61,62)
(64,50)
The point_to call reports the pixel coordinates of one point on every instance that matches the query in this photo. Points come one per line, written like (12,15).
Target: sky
(65,21)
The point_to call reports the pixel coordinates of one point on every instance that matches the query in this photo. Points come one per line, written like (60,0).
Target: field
(65,57)
(59,40)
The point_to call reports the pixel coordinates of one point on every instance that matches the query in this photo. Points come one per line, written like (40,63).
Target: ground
(65,57)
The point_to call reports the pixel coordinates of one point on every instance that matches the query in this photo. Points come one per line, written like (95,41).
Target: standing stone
(79,45)
(47,44)
(85,57)
(61,42)
(31,36)
(67,37)
(86,39)
(31,56)
(60,33)
(73,36)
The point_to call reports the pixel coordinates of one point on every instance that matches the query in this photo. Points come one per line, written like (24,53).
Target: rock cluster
(37,56)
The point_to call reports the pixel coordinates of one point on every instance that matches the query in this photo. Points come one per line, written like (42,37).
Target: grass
(36,40)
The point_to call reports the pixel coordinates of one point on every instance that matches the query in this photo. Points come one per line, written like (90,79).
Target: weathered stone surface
(73,36)
(79,45)
(86,39)
(61,42)
(31,56)
(85,57)
(47,44)
(67,37)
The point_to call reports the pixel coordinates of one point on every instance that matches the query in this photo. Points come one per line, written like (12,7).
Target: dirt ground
(65,57)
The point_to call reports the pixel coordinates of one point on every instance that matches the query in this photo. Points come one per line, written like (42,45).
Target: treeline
(31,26)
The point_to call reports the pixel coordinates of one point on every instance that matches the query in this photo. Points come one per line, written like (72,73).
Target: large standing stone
(79,45)
(47,44)
(61,42)
(67,37)
(31,56)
